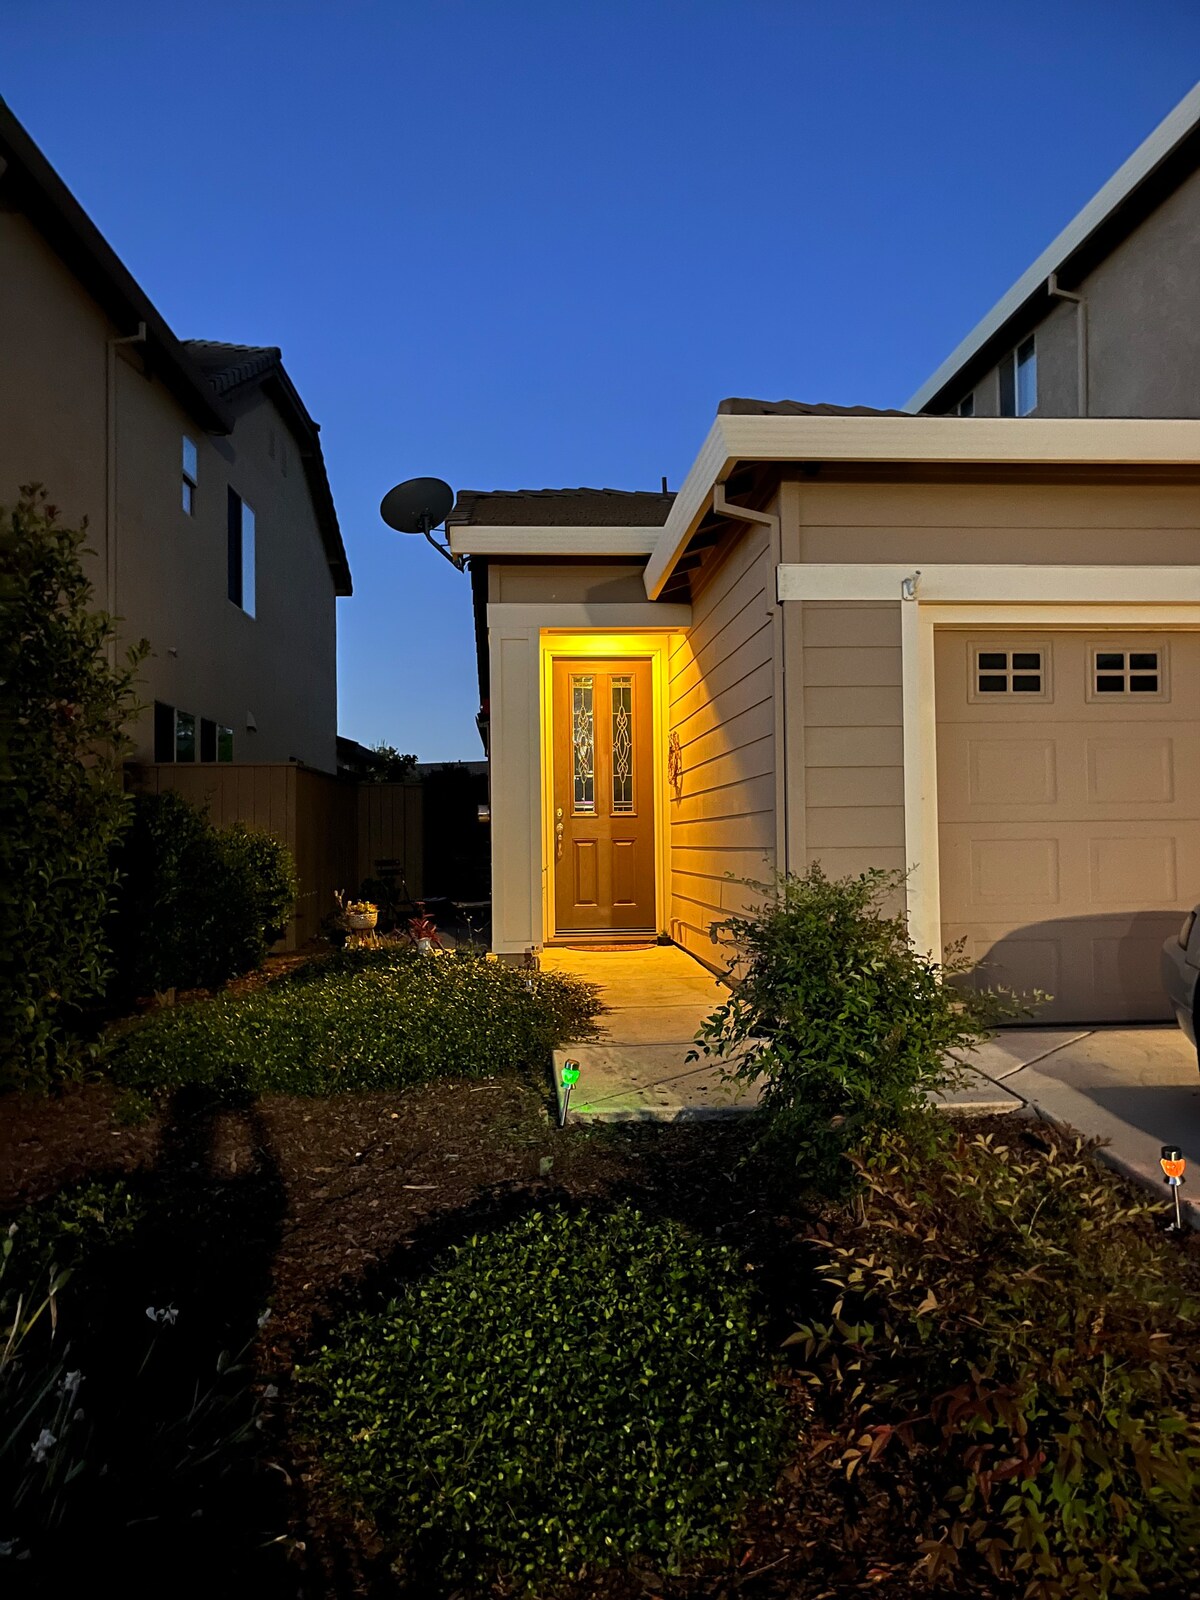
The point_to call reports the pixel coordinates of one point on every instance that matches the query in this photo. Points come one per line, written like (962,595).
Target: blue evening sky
(516,243)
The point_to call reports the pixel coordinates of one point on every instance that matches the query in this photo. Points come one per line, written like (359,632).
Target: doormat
(647,944)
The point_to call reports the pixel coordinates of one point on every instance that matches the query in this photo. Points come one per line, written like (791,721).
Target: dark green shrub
(846,1020)
(572,1391)
(63,709)
(361,1020)
(1007,1318)
(198,905)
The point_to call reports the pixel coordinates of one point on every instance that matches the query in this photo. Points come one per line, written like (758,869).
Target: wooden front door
(603,797)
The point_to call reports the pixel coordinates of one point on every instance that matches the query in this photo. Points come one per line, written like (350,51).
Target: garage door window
(1127,672)
(1021,672)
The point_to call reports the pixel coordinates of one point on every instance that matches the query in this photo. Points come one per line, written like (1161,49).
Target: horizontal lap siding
(853,736)
(721,704)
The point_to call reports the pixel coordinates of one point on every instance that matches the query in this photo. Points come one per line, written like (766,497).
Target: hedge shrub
(1004,1315)
(569,1392)
(836,1008)
(362,1020)
(197,904)
(63,710)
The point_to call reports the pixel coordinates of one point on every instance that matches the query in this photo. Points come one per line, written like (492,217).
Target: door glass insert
(583,745)
(622,745)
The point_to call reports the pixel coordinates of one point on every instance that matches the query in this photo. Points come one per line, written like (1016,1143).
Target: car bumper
(1179,981)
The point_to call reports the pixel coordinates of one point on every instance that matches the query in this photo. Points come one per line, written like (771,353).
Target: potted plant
(361,915)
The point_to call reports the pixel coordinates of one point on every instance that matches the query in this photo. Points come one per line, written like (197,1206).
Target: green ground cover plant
(564,1394)
(197,904)
(64,705)
(1004,1316)
(362,1020)
(834,1006)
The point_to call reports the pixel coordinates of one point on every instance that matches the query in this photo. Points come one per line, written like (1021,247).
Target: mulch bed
(305,1205)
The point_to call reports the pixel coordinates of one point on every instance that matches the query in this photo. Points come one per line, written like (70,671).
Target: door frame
(652,647)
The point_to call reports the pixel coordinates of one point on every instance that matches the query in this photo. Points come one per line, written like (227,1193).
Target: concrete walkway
(1138,1088)
(637,1070)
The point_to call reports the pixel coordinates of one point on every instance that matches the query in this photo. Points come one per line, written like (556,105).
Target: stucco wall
(1143,319)
(722,704)
(171,569)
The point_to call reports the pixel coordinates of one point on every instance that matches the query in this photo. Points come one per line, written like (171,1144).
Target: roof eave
(1057,441)
(75,237)
(1145,160)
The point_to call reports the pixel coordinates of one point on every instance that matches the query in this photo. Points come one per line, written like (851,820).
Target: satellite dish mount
(419,505)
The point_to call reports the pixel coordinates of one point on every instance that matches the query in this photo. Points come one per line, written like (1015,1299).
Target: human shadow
(173,1495)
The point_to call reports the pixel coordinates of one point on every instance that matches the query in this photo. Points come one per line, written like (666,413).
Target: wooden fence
(335,828)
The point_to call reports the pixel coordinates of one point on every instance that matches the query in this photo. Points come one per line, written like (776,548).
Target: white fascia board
(967,584)
(470,539)
(1151,153)
(1052,441)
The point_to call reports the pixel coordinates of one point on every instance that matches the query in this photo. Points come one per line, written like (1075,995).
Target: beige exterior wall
(844,705)
(565,582)
(209,657)
(723,703)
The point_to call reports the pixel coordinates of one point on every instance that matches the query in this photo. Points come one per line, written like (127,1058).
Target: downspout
(110,473)
(1082,329)
(768,519)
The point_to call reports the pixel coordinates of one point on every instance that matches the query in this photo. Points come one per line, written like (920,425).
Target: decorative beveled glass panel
(622,746)
(583,746)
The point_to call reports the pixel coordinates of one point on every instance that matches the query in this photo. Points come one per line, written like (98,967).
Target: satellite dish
(417,505)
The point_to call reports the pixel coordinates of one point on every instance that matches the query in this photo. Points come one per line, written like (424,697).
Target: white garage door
(1069,810)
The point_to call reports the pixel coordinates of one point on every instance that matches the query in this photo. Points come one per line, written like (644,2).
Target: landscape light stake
(1173,1165)
(570,1076)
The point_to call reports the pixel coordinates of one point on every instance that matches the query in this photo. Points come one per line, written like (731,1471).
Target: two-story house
(211,524)
(1106,322)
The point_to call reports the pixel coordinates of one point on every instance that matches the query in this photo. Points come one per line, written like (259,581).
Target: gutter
(1081,330)
(110,472)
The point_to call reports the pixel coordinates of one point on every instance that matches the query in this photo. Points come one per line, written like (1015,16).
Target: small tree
(848,1022)
(63,711)
(390,766)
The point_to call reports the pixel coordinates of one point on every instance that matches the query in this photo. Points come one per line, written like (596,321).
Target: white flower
(270,1392)
(43,1445)
(70,1384)
(265,1318)
(167,1314)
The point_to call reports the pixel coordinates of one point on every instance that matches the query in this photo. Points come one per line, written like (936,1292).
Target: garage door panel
(1069,819)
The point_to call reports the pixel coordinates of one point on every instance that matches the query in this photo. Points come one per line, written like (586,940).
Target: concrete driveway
(1138,1088)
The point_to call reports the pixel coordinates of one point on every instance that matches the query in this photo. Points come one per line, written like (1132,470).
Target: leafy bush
(63,709)
(573,1390)
(1010,1320)
(368,1019)
(847,1021)
(197,904)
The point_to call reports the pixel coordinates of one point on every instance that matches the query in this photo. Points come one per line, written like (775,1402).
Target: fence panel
(390,830)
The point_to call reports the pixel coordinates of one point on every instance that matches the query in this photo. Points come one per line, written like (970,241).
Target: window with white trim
(1018,380)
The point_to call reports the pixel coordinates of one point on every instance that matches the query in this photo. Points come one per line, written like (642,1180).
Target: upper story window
(190,479)
(241,553)
(1018,380)
(966,408)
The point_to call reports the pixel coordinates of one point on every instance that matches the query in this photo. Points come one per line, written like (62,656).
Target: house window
(208,740)
(224,744)
(241,553)
(966,408)
(190,479)
(1018,380)
(164,732)
(1126,672)
(185,736)
(996,672)
(583,747)
(1026,377)
(622,746)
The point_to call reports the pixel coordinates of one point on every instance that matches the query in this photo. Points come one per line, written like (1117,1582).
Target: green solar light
(570,1076)
(570,1073)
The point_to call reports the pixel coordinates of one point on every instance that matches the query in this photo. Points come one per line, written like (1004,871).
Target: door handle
(558,841)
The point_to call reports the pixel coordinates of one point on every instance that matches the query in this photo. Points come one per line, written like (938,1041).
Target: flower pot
(361,920)
(425,946)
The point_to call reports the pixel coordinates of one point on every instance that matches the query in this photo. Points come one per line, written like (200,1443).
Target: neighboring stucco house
(200,472)
(1106,322)
(970,649)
